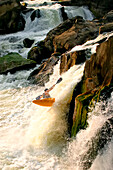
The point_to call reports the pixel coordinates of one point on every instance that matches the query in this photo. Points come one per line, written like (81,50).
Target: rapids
(34,137)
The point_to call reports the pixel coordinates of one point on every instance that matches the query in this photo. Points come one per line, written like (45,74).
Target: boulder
(13,62)
(108,17)
(27,42)
(35,14)
(11,19)
(41,75)
(64,14)
(80,32)
(39,52)
(106,28)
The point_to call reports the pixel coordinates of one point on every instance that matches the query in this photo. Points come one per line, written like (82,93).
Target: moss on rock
(84,102)
(13,62)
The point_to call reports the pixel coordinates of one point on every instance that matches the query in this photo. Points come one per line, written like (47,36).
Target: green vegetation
(85,101)
(13,62)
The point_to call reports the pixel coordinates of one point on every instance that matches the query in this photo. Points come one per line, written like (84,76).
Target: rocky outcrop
(13,62)
(106,28)
(70,59)
(41,75)
(99,69)
(11,19)
(70,33)
(97,79)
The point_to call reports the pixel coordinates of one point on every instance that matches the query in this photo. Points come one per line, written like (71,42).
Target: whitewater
(34,137)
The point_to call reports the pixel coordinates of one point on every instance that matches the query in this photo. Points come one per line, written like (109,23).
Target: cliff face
(98,80)
(11,19)
(99,69)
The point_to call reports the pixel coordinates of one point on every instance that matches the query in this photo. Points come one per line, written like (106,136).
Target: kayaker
(46,91)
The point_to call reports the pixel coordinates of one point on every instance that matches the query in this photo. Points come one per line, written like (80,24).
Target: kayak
(48,102)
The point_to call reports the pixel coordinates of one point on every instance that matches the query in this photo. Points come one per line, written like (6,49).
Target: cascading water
(50,16)
(35,137)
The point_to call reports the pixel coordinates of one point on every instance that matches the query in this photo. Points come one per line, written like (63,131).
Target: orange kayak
(48,102)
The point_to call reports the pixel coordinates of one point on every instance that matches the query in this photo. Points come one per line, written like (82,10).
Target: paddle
(58,81)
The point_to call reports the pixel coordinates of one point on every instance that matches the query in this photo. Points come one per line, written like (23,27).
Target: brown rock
(106,28)
(70,59)
(108,17)
(79,33)
(11,19)
(99,69)
(41,75)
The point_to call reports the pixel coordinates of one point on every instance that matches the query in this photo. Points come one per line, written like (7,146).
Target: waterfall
(35,137)
(79,11)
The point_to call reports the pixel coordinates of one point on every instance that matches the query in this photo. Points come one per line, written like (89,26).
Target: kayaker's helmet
(46,89)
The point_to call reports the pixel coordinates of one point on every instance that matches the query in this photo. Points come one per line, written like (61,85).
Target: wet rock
(27,42)
(11,19)
(96,82)
(108,17)
(41,75)
(38,53)
(64,15)
(13,62)
(35,14)
(106,28)
(70,59)
(100,67)
(80,32)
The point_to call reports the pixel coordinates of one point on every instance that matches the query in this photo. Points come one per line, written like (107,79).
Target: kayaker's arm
(58,81)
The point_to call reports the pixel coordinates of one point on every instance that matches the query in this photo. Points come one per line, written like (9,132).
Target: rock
(41,75)
(80,112)
(55,32)
(64,37)
(64,14)
(11,19)
(80,32)
(13,62)
(108,17)
(38,53)
(97,81)
(27,42)
(106,28)
(100,67)
(70,59)
(36,13)
(84,102)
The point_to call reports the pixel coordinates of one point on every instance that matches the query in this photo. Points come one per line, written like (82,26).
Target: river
(34,137)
